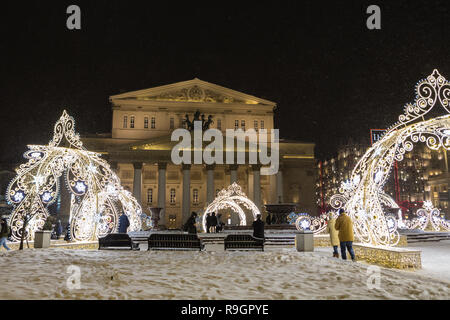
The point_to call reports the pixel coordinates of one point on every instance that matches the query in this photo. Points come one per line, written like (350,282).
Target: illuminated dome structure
(362,196)
(97,197)
(235,199)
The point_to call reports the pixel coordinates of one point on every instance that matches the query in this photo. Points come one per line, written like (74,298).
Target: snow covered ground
(277,273)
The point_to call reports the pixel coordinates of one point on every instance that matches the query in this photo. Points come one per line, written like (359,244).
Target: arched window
(236,124)
(243,124)
(125,122)
(153,123)
(132,122)
(195,196)
(145,122)
(262,124)
(149,195)
(172,196)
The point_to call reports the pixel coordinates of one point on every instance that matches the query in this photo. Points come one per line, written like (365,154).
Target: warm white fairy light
(364,200)
(428,218)
(232,198)
(93,212)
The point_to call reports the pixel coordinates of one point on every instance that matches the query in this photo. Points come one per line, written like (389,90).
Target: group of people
(214,223)
(341,234)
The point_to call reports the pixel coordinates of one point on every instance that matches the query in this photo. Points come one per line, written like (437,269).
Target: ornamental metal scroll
(97,197)
(362,196)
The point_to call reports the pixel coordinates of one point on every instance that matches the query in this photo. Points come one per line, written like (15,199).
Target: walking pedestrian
(334,235)
(345,227)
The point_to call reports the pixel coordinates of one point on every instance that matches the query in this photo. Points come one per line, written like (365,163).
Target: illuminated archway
(235,199)
(95,188)
(363,196)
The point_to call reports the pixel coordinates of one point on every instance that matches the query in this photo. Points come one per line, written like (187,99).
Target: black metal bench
(177,241)
(115,241)
(243,242)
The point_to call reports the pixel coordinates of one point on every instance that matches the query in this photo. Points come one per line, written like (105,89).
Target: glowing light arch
(95,188)
(234,198)
(362,196)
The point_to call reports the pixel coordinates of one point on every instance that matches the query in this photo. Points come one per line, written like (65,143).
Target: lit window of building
(149,195)
(172,196)
(146,123)
(153,122)
(236,124)
(262,124)
(195,196)
(243,125)
(255,124)
(125,122)
(132,122)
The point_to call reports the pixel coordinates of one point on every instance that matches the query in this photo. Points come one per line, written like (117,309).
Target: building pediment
(196,91)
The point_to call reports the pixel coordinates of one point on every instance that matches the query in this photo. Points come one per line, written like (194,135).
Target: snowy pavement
(277,273)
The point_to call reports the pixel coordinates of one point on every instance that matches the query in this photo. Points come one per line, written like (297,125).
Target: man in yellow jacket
(345,227)
(334,238)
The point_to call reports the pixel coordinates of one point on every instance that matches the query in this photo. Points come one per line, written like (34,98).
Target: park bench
(116,241)
(243,242)
(174,241)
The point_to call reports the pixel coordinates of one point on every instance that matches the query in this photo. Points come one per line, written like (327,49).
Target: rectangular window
(243,125)
(132,122)
(153,122)
(255,123)
(262,124)
(146,123)
(125,121)
(149,195)
(236,124)
(172,196)
(172,123)
(195,196)
(219,124)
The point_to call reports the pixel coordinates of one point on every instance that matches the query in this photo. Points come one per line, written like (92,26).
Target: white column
(162,191)
(137,181)
(209,184)
(280,187)
(186,204)
(257,185)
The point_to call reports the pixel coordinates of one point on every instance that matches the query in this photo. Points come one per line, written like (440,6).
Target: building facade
(140,147)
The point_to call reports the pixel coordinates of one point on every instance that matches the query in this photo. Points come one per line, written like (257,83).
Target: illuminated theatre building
(139,149)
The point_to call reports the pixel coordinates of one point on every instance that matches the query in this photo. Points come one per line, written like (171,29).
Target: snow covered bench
(174,241)
(115,241)
(243,242)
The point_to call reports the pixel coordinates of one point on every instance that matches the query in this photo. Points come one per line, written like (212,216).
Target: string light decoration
(315,224)
(362,197)
(428,218)
(235,199)
(97,195)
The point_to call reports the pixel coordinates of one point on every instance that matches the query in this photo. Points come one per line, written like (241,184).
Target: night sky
(331,77)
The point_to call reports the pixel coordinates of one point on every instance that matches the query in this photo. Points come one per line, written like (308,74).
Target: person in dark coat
(124,223)
(219,227)
(258,227)
(268,219)
(213,222)
(190,225)
(4,233)
(208,222)
(58,229)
